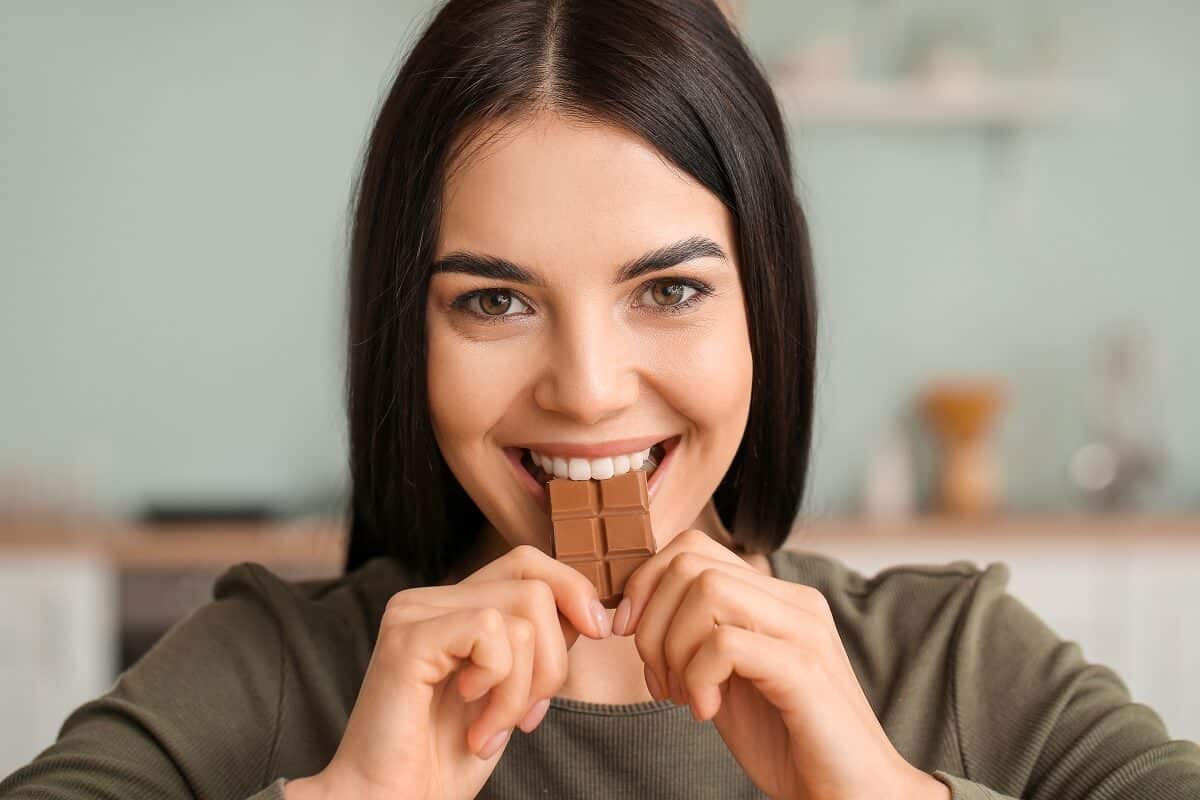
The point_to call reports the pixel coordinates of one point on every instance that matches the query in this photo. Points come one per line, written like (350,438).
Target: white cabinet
(58,629)
(1132,603)
(1163,625)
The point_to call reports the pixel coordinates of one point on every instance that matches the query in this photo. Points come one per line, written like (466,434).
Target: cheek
(470,384)
(707,376)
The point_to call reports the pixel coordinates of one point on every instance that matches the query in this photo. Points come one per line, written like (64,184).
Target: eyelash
(702,290)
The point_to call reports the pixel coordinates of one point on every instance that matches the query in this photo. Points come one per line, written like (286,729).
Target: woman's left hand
(762,659)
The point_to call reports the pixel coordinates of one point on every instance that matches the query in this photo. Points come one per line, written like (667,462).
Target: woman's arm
(195,717)
(1034,720)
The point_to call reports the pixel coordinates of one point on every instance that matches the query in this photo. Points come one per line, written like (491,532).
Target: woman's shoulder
(247,683)
(308,617)
(957,610)
(254,684)
(260,619)
(353,596)
(907,586)
(913,622)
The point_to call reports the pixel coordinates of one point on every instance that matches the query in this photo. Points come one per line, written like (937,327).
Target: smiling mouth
(653,458)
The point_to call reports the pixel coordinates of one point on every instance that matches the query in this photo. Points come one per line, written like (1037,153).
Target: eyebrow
(496,268)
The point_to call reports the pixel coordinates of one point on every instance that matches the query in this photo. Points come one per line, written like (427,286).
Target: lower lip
(538,490)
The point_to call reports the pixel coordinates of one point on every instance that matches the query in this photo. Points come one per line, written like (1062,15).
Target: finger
(510,696)
(717,597)
(404,617)
(574,594)
(720,597)
(668,593)
(771,664)
(814,602)
(533,600)
(443,641)
(643,582)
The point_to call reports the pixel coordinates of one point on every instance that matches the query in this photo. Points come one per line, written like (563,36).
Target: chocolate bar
(602,529)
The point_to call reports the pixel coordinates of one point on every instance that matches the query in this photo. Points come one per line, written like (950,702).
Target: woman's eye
(489,302)
(674,295)
(664,296)
(669,294)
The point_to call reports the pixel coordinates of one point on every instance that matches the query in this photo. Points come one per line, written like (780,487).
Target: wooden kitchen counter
(1113,528)
(307,546)
(316,546)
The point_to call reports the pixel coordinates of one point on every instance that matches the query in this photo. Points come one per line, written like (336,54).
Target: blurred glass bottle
(1123,457)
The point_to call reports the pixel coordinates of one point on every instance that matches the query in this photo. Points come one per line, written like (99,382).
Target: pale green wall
(173,183)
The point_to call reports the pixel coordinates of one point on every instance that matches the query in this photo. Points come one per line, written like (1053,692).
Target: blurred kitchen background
(1003,200)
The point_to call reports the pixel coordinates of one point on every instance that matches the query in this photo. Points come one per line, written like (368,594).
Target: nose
(589,375)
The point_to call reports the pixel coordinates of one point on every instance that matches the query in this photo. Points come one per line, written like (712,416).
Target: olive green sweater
(256,687)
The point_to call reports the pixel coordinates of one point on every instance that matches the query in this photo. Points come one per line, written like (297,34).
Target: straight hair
(676,74)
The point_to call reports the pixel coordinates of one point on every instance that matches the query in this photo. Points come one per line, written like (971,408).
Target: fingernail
(621,618)
(652,684)
(535,714)
(601,616)
(494,744)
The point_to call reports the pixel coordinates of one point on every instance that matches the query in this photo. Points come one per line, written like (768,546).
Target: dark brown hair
(676,74)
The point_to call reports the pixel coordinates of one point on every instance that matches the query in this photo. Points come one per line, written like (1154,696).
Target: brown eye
(494,304)
(490,305)
(667,294)
(673,295)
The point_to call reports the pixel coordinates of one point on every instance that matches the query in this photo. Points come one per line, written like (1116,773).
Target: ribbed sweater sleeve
(196,717)
(969,684)
(1035,720)
(963,789)
(272,792)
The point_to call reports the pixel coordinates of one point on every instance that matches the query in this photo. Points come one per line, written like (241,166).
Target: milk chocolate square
(602,529)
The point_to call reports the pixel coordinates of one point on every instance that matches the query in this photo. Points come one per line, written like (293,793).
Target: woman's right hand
(508,626)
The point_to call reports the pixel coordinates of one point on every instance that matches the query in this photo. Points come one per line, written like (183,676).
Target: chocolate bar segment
(602,529)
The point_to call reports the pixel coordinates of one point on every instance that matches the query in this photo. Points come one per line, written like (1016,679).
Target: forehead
(541,189)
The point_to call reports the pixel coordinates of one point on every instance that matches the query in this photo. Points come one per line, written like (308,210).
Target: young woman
(576,246)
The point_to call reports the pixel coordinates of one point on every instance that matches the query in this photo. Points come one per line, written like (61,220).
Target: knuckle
(725,638)
(710,582)
(400,599)
(813,600)
(393,617)
(489,619)
(525,552)
(396,643)
(522,631)
(397,615)
(685,563)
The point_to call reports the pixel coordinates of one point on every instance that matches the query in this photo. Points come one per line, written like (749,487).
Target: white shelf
(991,103)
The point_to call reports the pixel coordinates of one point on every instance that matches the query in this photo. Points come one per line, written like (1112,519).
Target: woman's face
(567,356)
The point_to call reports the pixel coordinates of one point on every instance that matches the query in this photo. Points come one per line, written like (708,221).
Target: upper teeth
(581,469)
